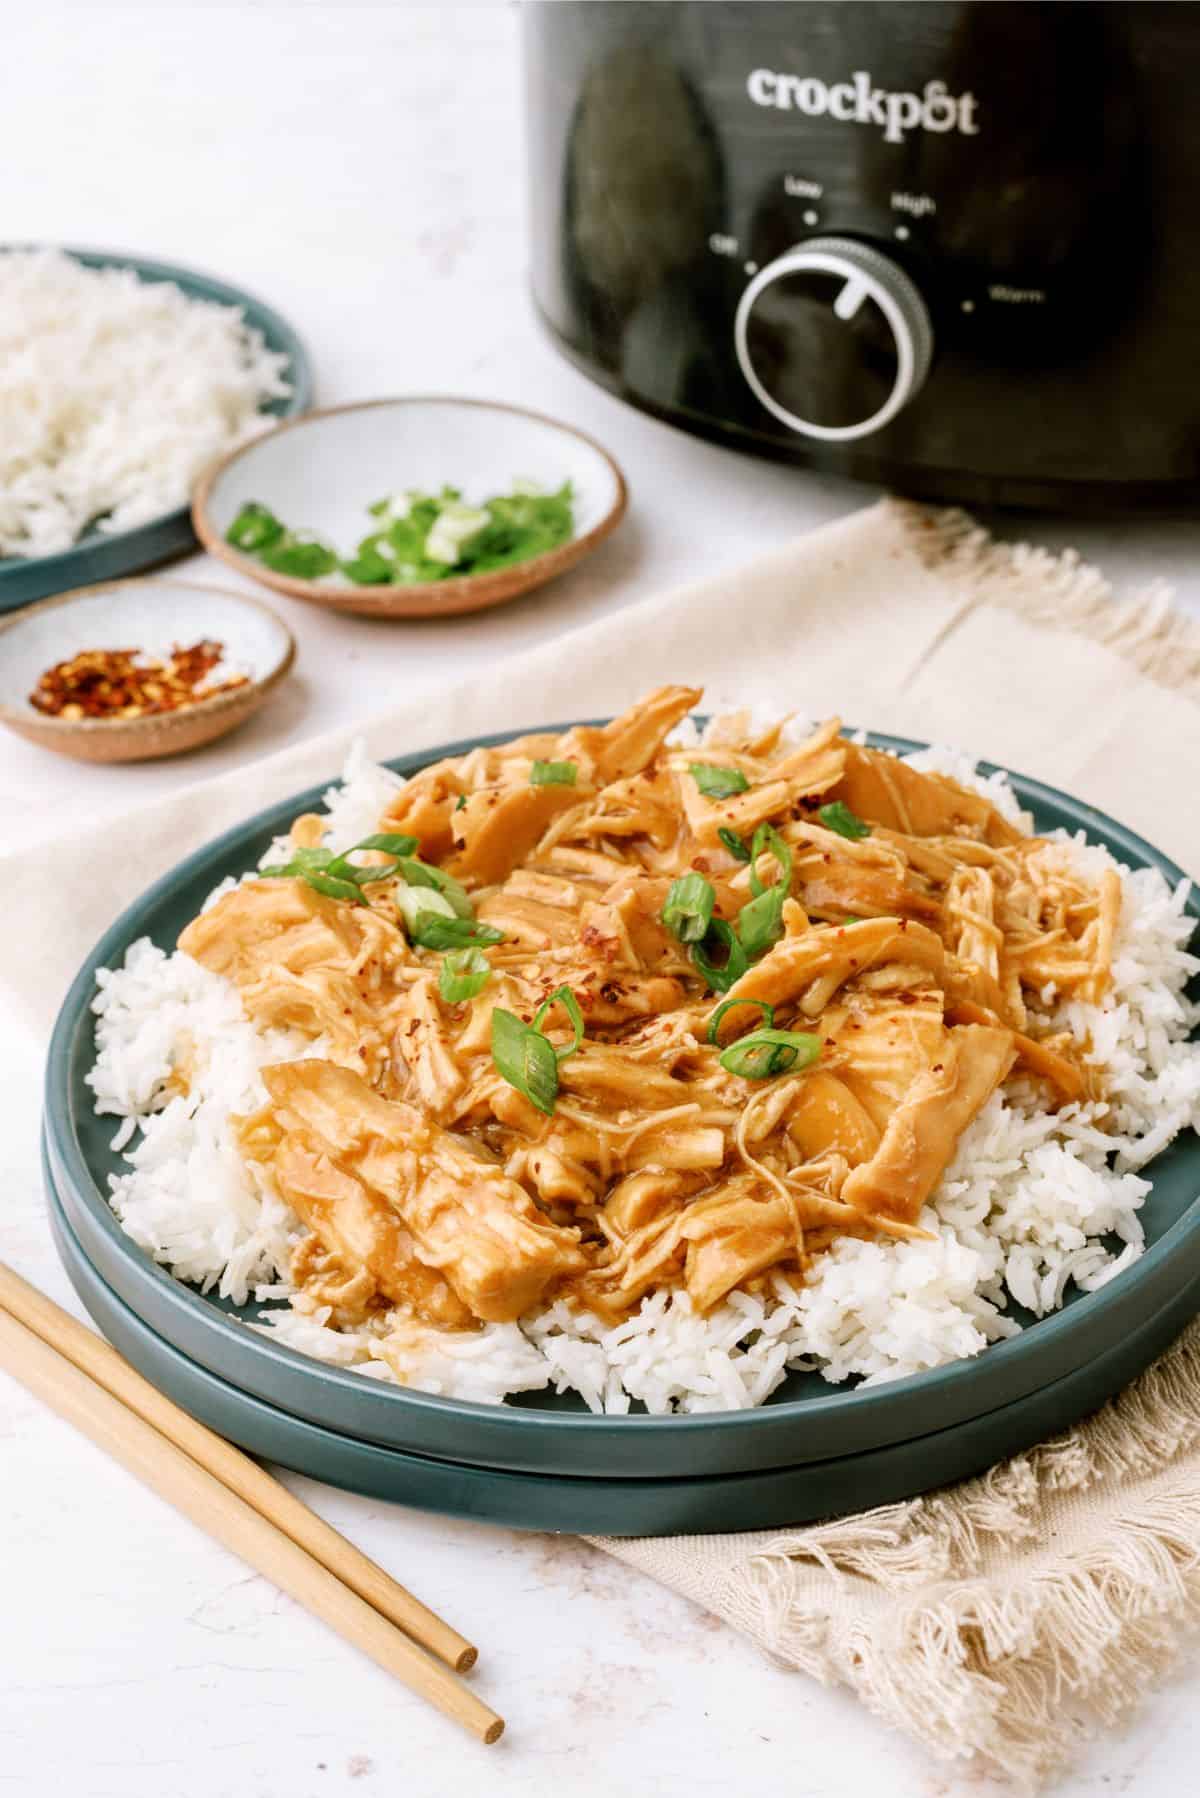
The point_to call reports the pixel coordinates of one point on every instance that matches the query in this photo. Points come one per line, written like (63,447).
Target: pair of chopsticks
(235,1500)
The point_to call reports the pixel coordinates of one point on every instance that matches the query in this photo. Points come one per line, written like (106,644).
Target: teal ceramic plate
(97,557)
(770,1499)
(805,1420)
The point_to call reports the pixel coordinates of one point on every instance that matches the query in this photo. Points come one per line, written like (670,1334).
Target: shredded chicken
(920,952)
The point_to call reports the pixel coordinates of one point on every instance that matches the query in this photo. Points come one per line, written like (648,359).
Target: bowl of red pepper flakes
(139,669)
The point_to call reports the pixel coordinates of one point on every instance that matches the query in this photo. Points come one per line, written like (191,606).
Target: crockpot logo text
(857,102)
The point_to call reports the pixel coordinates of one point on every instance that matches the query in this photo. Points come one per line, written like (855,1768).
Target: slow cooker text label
(857,102)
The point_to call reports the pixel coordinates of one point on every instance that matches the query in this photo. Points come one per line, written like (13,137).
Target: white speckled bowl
(321,472)
(150,614)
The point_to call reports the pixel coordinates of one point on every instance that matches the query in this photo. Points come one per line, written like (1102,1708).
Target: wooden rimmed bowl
(151,614)
(321,472)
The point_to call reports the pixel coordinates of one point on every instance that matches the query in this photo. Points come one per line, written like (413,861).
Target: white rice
(114,394)
(187,1199)
(1030,1206)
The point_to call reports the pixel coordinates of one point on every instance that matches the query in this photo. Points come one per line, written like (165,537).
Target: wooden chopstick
(234,1469)
(221,1509)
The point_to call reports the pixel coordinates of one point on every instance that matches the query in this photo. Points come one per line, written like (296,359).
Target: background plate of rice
(100,553)
(1023,1221)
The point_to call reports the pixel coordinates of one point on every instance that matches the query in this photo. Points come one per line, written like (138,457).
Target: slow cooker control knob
(834,338)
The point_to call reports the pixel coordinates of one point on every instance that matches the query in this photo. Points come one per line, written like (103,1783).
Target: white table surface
(361,169)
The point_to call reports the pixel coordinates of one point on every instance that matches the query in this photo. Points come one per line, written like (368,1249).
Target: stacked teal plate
(766,1498)
(544,1461)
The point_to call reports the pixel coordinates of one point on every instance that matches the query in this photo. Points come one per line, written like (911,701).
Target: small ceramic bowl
(151,614)
(321,472)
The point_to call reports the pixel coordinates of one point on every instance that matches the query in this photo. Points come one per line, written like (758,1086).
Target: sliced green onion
(302,556)
(767,1052)
(563,996)
(734,844)
(425,892)
(390,845)
(325,873)
(689,907)
(419,874)
(718,783)
(319,869)
(397,847)
(374,564)
(714,1023)
(525,1058)
(304,857)
(720,979)
(553,774)
(337,875)
(767,837)
(760,923)
(333,888)
(463,973)
(460,804)
(434,930)
(839,817)
(255,527)
(303,863)
(415,902)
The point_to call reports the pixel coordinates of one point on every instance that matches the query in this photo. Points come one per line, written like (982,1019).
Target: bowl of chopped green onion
(410,508)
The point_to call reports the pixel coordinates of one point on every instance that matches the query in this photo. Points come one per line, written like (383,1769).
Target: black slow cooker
(954,248)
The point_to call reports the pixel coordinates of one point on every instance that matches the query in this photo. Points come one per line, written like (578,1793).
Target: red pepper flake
(124,683)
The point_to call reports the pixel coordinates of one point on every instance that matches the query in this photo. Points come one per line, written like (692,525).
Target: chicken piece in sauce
(381,1184)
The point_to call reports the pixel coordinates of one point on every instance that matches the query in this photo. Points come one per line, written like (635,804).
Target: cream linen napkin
(998,1618)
